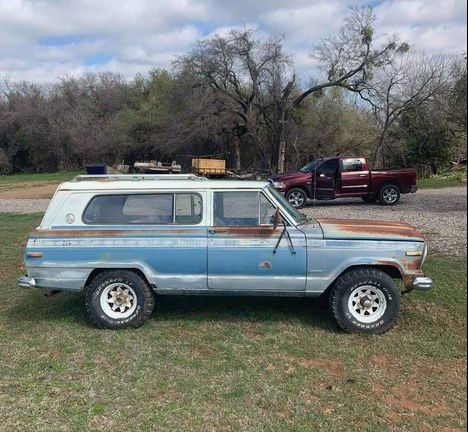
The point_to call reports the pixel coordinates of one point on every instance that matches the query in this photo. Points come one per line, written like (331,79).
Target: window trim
(173,223)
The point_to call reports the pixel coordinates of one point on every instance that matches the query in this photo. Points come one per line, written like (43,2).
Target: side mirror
(276,219)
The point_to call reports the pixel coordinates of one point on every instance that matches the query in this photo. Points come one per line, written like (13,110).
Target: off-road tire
(299,192)
(144,299)
(347,283)
(384,190)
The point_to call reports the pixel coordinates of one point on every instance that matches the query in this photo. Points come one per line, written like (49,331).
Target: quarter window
(242,209)
(351,165)
(144,209)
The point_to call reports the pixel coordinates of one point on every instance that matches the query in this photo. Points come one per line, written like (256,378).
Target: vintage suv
(123,239)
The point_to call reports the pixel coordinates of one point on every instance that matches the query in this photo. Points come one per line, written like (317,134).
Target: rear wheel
(365,300)
(119,299)
(297,198)
(389,195)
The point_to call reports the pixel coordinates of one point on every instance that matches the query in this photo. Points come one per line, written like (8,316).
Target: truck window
(242,209)
(351,165)
(144,209)
(329,167)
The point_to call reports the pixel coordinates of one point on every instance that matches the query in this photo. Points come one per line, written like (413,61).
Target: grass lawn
(228,364)
(441,182)
(57,177)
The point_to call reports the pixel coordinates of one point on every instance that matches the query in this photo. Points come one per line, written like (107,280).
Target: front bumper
(26,282)
(422,283)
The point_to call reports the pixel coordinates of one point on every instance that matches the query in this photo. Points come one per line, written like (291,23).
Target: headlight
(279,185)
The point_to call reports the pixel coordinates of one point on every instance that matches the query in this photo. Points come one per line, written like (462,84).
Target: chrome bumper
(422,283)
(26,282)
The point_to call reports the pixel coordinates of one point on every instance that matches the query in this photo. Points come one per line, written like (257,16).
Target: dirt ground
(27,191)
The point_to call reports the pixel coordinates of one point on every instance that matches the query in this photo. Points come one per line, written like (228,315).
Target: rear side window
(351,165)
(144,209)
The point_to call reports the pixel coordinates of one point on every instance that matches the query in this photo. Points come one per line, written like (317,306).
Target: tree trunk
(376,155)
(282,143)
(237,153)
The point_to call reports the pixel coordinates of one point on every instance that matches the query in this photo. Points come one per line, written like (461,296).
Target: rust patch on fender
(370,228)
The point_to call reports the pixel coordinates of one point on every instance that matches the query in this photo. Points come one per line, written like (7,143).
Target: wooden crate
(209,166)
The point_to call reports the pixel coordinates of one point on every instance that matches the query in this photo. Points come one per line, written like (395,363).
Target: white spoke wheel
(118,299)
(365,300)
(390,195)
(367,303)
(297,198)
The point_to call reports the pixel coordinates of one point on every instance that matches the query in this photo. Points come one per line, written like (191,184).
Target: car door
(354,179)
(246,253)
(325,179)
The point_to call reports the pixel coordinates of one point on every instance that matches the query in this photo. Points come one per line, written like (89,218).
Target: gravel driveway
(439,213)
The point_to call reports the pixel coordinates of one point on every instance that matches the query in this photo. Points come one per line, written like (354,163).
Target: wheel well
(302,188)
(390,183)
(390,270)
(98,271)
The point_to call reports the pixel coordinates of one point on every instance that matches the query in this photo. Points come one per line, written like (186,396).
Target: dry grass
(228,364)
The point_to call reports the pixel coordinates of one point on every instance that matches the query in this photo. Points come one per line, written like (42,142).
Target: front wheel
(389,195)
(119,299)
(365,300)
(297,198)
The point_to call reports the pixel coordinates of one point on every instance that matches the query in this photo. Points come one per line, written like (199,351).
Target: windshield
(298,217)
(310,166)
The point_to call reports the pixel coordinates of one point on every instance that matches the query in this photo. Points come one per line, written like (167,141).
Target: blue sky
(43,40)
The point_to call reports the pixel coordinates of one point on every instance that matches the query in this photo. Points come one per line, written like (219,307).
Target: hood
(289,176)
(344,229)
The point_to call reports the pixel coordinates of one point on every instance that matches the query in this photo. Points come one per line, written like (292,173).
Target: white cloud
(45,39)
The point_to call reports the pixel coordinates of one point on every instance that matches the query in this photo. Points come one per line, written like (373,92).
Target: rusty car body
(188,235)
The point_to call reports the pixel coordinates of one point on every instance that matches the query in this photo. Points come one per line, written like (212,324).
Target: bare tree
(349,60)
(402,85)
(234,67)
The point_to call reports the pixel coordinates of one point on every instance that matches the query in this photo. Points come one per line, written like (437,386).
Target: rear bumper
(26,282)
(422,283)
(414,188)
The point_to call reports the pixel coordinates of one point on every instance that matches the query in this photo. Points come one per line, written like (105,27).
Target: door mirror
(276,219)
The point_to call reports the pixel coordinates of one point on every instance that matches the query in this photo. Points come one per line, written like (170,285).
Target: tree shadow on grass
(70,307)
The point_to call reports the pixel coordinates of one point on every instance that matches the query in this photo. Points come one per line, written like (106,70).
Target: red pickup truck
(327,179)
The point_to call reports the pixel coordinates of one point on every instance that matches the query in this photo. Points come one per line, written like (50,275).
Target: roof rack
(137,177)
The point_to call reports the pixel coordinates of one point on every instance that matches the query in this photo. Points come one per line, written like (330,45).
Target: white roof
(156,183)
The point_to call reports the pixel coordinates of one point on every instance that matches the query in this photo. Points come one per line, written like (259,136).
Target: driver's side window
(242,208)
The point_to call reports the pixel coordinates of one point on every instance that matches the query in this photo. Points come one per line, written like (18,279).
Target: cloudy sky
(44,39)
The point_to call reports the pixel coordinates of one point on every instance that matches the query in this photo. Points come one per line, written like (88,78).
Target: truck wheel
(370,200)
(365,300)
(118,299)
(389,195)
(297,198)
